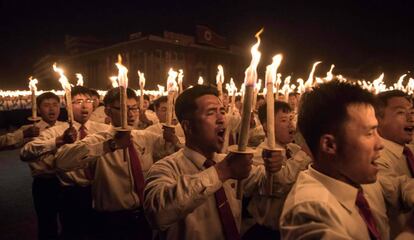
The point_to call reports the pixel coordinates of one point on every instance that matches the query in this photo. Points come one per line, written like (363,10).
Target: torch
(141,88)
(250,80)
(67,88)
(32,86)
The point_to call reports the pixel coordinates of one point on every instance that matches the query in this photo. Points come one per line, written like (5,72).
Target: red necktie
(366,214)
(226,217)
(89,171)
(410,159)
(82,132)
(139,182)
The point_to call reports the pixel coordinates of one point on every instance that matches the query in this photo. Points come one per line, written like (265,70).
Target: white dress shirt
(40,152)
(321,207)
(179,196)
(16,138)
(267,210)
(113,183)
(392,162)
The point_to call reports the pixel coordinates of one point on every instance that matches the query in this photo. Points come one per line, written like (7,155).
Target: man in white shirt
(75,201)
(295,160)
(147,117)
(158,128)
(191,194)
(48,109)
(395,126)
(45,188)
(117,188)
(339,196)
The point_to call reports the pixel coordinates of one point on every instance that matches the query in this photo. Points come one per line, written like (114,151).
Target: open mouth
(409,130)
(220,134)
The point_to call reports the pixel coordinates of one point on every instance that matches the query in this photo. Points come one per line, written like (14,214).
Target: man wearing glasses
(76,202)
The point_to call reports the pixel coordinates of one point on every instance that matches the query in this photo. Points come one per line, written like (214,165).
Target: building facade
(153,55)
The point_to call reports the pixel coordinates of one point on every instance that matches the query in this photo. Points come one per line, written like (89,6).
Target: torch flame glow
(251,71)
(141,79)
(271,70)
(220,74)
(80,79)
(180,76)
(200,80)
(114,81)
(309,82)
(63,79)
(329,75)
(171,82)
(32,83)
(122,73)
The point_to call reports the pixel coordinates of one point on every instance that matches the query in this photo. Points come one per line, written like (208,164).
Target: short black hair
(146,97)
(113,95)
(324,110)
(260,97)
(160,100)
(382,100)
(94,92)
(44,96)
(185,105)
(293,94)
(80,90)
(279,106)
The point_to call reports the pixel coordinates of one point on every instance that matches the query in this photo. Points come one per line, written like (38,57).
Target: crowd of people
(342,168)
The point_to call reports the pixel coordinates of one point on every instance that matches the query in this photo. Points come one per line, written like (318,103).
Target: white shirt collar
(343,192)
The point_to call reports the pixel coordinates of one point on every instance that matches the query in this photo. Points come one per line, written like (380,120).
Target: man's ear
(185,124)
(328,144)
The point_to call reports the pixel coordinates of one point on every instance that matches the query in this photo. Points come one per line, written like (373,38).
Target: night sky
(362,38)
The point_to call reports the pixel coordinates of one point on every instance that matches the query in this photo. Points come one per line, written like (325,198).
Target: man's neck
(207,154)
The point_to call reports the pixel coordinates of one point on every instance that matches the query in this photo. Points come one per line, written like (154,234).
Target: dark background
(362,38)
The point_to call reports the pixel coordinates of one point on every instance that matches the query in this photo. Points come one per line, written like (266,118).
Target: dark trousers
(122,225)
(76,212)
(261,232)
(46,193)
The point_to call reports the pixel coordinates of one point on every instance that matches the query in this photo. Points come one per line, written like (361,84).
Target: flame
(301,86)
(329,75)
(122,73)
(399,85)
(200,80)
(161,90)
(63,79)
(114,81)
(220,74)
(286,87)
(180,76)
(410,86)
(309,82)
(171,82)
(32,84)
(271,70)
(233,85)
(80,79)
(258,85)
(378,83)
(251,71)
(141,79)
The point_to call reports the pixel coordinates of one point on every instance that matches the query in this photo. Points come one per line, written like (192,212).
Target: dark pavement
(17,215)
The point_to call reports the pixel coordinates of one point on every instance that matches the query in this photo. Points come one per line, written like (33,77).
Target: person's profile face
(360,145)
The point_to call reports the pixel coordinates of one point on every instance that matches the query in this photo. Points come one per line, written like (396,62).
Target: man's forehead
(81,96)
(396,102)
(362,114)
(208,100)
